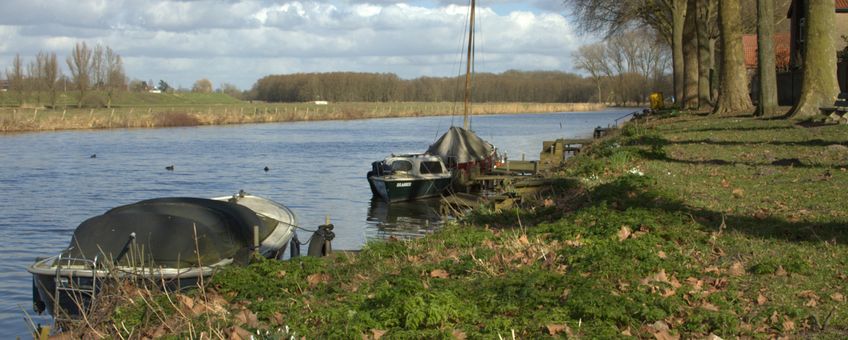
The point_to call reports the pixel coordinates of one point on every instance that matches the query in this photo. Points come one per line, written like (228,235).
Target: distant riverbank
(39,119)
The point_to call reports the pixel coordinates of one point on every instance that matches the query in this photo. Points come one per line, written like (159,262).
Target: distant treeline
(510,86)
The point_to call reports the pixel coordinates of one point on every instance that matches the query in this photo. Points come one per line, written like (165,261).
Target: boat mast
(465,122)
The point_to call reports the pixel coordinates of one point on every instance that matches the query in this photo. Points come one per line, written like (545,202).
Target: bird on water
(267,168)
(169,168)
(94,155)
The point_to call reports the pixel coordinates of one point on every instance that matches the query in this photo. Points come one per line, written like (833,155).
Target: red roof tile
(842,4)
(781,49)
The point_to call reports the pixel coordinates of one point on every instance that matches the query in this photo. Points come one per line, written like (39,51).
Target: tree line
(99,68)
(705,38)
(510,86)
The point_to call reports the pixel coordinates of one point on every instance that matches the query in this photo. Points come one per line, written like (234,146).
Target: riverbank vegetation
(191,109)
(677,228)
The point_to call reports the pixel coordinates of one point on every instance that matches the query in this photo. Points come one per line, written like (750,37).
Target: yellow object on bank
(656,101)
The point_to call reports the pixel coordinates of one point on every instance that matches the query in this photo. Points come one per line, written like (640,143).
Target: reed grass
(41,119)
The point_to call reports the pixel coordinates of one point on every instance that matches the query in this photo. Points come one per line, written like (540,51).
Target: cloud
(241,41)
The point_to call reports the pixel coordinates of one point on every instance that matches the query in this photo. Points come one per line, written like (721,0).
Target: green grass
(691,223)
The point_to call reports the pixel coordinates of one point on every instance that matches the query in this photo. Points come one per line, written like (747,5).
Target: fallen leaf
(780,271)
(554,329)
(712,269)
(377,333)
(439,273)
(761,299)
(725,183)
(738,193)
(627,332)
(710,307)
(713,337)
(317,278)
(665,335)
(238,333)
(277,317)
(737,269)
(623,233)
(459,335)
(662,254)
(838,297)
(808,294)
(523,240)
(788,325)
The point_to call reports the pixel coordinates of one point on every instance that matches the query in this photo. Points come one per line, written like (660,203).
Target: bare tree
(98,68)
(79,63)
(116,79)
(590,58)
(51,76)
(202,86)
(16,78)
(818,80)
(767,84)
(733,89)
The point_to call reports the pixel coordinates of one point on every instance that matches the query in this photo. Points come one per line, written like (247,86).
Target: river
(52,181)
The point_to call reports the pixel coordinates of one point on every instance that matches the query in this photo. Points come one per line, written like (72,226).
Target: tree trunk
(818,76)
(705,58)
(678,13)
(733,83)
(767,104)
(690,58)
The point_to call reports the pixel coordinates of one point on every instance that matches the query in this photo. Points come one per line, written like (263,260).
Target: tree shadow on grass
(636,192)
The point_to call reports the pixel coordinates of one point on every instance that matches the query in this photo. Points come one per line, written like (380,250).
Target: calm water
(49,183)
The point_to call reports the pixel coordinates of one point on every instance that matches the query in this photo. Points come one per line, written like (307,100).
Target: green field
(683,227)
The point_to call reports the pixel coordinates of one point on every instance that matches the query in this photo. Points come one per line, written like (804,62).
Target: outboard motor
(320,244)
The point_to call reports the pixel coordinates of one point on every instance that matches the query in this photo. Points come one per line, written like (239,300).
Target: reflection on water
(403,220)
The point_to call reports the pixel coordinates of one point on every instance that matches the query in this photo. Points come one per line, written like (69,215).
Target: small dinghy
(173,242)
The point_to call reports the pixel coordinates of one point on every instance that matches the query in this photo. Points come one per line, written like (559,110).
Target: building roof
(781,49)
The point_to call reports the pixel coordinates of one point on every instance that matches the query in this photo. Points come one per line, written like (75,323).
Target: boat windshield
(431,167)
(401,166)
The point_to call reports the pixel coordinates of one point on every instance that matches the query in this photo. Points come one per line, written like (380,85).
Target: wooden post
(34,114)
(256,240)
(328,246)
(63,114)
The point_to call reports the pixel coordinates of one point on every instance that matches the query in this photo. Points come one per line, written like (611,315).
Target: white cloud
(241,41)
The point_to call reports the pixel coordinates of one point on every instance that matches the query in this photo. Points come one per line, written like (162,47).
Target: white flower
(636,171)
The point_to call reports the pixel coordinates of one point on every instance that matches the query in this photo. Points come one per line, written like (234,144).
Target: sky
(238,42)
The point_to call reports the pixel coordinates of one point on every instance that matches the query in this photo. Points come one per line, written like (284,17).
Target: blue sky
(238,42)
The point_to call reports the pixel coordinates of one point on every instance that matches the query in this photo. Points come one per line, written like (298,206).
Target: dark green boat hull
(397,190)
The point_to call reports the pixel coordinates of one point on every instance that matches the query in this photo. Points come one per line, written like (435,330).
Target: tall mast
(465,122)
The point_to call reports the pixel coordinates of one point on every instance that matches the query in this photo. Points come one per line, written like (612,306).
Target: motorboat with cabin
(408,177)
(172,242)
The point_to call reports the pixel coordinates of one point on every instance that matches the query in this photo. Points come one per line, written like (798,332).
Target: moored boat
(171,242)
(408,177)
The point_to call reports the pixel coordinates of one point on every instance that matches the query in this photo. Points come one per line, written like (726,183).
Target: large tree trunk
(733,83)
(767,104)
(690,58)
(705,58)
(678,16)
(818,76)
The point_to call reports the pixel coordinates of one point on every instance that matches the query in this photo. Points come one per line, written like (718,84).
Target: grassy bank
(686,227)
(202,110)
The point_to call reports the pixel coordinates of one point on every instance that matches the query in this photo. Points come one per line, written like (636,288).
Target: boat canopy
(459,146)
(165,233)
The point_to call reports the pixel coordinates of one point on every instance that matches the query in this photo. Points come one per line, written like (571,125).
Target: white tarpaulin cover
(461,146)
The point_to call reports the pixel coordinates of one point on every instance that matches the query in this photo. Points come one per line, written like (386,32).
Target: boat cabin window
(401,166)
(431,168)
